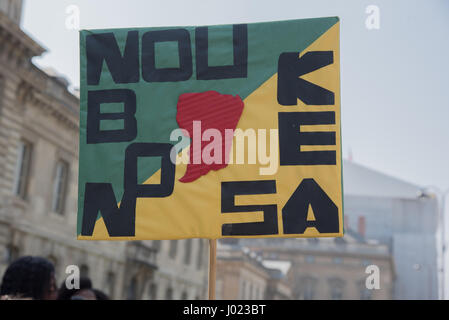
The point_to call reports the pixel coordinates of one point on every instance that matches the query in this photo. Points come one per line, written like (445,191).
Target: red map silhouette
(215,111)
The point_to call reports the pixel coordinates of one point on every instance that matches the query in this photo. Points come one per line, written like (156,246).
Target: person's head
(84,292)
(30,277)
(100,295)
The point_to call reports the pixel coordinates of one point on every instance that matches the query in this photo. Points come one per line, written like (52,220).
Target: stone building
(330,268)
(278,287)
(38,184)
(402,216)
(13,9)
(168,270)
(400,220)
(242,274)
(182,270)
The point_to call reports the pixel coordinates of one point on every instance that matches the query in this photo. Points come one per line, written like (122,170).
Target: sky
(394,80)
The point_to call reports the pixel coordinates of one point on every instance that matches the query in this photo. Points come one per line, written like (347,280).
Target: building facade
(39,132)
(182,270)
(242,274)
(39,166)
(401,223)
(330,268)
(398,214)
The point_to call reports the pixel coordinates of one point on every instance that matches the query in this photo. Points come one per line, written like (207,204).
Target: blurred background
(395,111)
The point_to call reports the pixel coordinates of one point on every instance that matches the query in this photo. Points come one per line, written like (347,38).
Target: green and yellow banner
(211,132)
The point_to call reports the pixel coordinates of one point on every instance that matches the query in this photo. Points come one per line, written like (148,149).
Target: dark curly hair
(28,277)
(66,294)
(100,295)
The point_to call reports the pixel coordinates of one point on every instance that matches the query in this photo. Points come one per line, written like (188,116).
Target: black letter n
(123,69)
(100,198)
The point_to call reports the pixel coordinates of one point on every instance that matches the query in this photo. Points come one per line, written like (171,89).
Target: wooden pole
(212,267)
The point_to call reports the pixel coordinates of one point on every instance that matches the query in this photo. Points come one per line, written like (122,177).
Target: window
(366,262)
(250,291)
(310,259)
(242,290)
(336,293)
(336,288)
(13,254)
(60,186)
(173,249)
(157,245)
(2,86)
(187,251)
(16,12)
(153,291)
(132,289)
(110,283)
(169,294)
(22,169)
(337,260)
(199,259)
(365,293)
(308,288)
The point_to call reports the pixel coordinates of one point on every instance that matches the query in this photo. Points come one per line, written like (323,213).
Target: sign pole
(212,267)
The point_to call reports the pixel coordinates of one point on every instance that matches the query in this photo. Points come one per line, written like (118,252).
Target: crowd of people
(33,278)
